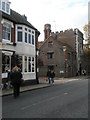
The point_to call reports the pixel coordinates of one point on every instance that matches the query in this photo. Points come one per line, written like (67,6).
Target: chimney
(47,31)
(24,16)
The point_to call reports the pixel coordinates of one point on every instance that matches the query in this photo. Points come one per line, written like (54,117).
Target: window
(25,29)
(32,32)
(50,55)
(5,63)
(25,64)
(3,6)
(29,38)
(25,37)
(50,44)
(69,56)
(19,36)
(19,28)
(29,30)
(29,64)
(33,39)
(6,32)
(7,8)
(33,70)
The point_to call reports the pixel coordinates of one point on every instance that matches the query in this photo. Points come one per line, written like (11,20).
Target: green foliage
(15,60)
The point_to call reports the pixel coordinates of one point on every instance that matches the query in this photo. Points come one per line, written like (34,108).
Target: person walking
(52,76)
(49,75)
(16,77)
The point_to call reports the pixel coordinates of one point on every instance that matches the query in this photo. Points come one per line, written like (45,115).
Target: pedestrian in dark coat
(49,75)
(52,76)
(16,81)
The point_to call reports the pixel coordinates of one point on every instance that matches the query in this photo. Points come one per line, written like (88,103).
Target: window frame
(3,3)
(26,30)
(50,55)
(6,7)
(19,29)
(32,64)
(7,26)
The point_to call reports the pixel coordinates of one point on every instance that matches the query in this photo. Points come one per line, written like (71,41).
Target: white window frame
(7,7)
(6,3)
(7,40)
(23,66)
(33,66)
(3,7)
(28,31)
(19,30)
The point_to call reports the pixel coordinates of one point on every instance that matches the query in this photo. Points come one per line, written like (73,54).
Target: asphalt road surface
(67,100)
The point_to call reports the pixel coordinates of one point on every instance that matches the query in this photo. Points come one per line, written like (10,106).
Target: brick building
(73,38)
(17,37)
(58,52)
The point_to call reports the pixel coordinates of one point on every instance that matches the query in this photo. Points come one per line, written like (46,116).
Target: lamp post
(64,49)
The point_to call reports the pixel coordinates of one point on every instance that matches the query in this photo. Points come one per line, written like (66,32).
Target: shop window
(5,63)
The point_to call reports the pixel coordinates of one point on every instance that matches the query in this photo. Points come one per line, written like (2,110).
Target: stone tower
(47,31)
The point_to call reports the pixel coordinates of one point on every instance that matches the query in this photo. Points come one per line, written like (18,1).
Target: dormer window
(5,6)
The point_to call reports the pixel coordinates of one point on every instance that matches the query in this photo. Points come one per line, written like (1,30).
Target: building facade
(19,38)
(73,38)
(56,55)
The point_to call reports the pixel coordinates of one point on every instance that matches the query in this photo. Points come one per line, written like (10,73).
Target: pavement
(42,84)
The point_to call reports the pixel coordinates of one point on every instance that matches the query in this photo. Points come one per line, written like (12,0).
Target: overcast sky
(61,14)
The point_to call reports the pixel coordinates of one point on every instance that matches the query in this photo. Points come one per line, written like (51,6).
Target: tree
(15,60)
(86,59)
(85,29)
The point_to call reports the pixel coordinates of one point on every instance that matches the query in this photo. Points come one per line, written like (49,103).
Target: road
(67,100)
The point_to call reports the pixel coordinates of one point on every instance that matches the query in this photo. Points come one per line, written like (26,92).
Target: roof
(70,48)
(17,19)
(39,44)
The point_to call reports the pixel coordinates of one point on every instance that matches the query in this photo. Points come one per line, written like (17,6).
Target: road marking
(52,98)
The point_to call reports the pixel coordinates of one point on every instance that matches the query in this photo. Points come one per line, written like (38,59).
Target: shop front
(6,64)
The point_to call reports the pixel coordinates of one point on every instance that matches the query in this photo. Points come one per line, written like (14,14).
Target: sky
(61,14)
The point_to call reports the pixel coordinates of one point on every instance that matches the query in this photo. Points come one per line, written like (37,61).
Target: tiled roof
(39,44)
(17,19)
